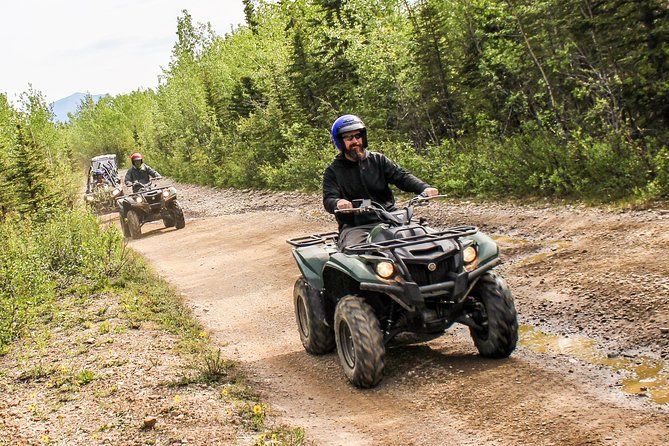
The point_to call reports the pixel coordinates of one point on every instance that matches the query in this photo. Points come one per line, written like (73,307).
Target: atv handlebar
(368,206)
(422,199)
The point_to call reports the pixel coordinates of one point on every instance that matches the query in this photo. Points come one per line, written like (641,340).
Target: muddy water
(643,376)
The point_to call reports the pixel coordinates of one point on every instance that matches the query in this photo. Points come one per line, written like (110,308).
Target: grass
(94,312)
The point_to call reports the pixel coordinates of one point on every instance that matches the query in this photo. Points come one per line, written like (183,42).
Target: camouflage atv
(103,190)
(149,203)
(407,277)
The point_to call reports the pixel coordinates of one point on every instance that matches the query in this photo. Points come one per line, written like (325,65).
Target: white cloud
(101,46)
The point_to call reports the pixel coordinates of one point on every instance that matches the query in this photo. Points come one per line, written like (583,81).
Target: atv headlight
(116,192)
(139,199)
(385,269)
(469,254)
(169,192)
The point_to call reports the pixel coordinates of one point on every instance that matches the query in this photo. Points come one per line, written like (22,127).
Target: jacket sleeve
(128,176)
(401,178)
(331,192)
(152,172)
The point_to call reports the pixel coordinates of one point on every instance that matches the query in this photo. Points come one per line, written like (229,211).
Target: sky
(95,46)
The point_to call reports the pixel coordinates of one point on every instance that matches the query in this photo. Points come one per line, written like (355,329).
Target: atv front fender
(354,267)
(310,260)
(486,247)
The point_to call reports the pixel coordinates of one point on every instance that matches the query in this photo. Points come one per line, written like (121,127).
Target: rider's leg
(353,235)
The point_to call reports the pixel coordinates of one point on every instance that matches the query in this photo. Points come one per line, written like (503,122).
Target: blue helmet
(347,123)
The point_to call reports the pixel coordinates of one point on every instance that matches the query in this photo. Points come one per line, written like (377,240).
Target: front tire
(179,219)
(124,226)
(359,342)
(168,221)
(317,338)
(134,226)
(500,336)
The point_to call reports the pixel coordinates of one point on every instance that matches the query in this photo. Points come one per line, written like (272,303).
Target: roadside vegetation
(94,346)
(491,98)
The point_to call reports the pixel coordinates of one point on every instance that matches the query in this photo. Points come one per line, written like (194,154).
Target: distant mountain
(70,104)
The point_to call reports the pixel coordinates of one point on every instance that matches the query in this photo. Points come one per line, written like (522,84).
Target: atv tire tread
(134,226)
(124,227)
(168,221)
(367,341)
(179,219)
(502,334)
(321,339)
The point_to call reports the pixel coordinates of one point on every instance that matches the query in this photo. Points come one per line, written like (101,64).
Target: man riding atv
(385,273)
(358,173)
(140,173)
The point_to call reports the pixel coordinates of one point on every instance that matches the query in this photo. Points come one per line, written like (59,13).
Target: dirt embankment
(573,271)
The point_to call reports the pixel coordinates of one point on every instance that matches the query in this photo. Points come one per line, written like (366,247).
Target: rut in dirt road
(238,273)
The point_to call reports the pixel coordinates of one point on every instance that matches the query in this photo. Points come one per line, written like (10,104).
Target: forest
(490,98)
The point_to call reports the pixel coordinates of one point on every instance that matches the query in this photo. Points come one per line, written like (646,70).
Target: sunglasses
(349,138)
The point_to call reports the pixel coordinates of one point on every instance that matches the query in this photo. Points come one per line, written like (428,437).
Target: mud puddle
(643,376)
(536,251)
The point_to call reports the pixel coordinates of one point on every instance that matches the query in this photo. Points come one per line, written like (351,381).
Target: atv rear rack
(455,232)
(315,239)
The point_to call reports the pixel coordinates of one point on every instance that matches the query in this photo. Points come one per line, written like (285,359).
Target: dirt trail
(237,273)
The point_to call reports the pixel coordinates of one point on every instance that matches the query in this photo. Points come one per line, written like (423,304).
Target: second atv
(149,203)
(407,277)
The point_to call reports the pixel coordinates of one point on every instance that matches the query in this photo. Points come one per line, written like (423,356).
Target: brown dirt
(572,270)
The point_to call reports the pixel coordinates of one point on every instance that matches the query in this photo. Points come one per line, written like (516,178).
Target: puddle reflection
(644,375)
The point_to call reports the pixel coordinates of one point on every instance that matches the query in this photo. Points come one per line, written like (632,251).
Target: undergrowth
(59,276)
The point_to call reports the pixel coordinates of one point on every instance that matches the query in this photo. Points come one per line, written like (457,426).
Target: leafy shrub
(25,284)
(42,260)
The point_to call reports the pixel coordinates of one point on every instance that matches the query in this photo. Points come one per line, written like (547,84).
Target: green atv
(407,277)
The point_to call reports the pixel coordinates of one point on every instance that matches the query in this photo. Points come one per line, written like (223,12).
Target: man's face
(353,144)
(137,163)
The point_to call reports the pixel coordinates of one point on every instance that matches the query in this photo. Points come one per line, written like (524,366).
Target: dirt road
(235,269)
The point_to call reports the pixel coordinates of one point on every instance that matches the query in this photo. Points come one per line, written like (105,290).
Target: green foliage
(41,261)
(487,97)
(119,125)
(48,249)
(36,178)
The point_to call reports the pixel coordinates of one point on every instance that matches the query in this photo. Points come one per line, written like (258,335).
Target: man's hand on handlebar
(430,192)
(344,204)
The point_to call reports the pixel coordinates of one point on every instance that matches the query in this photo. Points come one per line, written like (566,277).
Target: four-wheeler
(406,277)
(103,185)
(149,203)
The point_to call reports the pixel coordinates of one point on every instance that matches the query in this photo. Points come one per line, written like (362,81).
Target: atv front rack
(315,239)
(455,232)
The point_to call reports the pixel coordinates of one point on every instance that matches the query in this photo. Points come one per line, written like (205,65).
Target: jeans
(353,235)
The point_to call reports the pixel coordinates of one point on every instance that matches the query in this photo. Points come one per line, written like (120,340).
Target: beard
(355,152)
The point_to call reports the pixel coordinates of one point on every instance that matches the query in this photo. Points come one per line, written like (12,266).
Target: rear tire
(499,339)
(134,226)
(179,219)
(317,338)
(359,342)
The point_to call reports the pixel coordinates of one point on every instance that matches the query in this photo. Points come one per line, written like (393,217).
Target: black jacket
(368,178)
(142,175)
